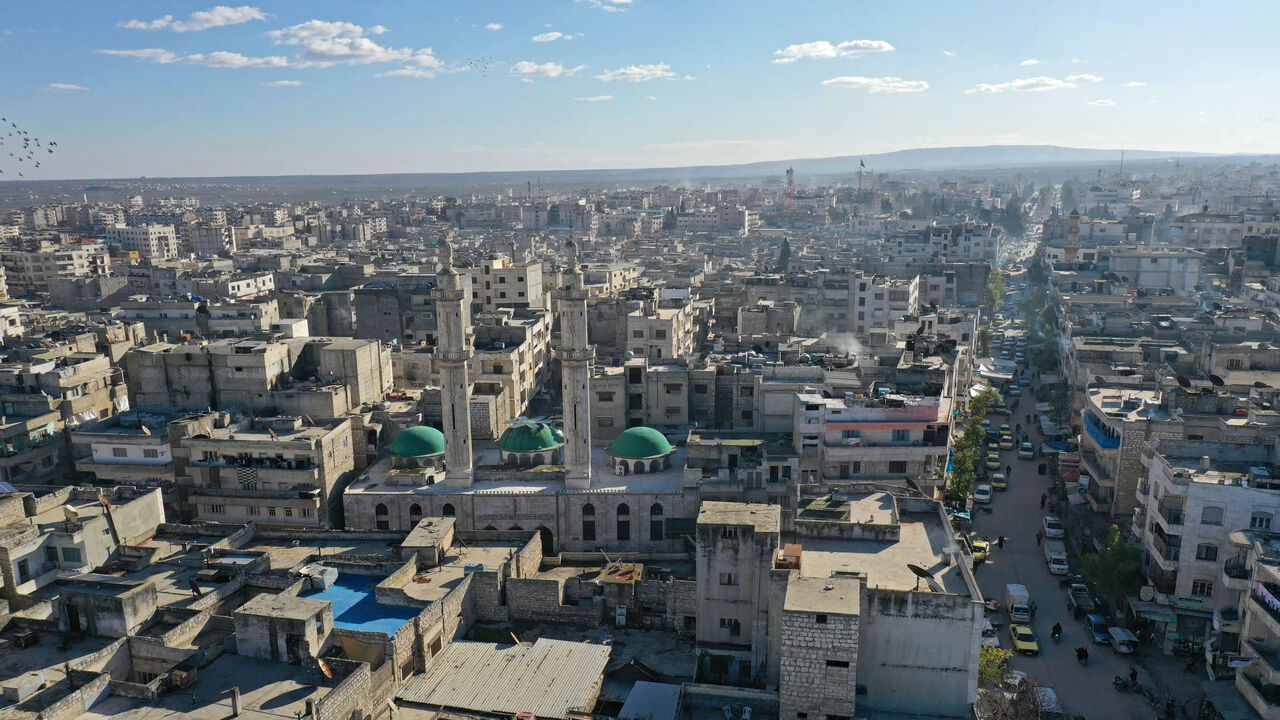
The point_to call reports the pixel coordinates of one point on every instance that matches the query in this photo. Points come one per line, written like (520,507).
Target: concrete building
(209,240)
(150,242)
(505,282)
(661,330)
(273,471)
(30,270)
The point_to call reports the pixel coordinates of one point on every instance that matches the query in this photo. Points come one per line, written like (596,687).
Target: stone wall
(352,695)
(819,664)
(12,509)
(34,505)
(528,558)
(541,600)
(675,599)
(92,688)
(486,590)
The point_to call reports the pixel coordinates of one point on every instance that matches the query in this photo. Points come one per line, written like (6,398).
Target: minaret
(575,360)
(452,354)
(1071,248)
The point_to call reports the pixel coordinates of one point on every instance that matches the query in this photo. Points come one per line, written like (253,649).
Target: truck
(1079,600)
(1017,601)
(1055,555)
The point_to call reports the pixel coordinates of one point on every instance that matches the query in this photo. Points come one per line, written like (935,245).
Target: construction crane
(791,189)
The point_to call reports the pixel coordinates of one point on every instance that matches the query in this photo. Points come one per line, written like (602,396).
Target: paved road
(1083,690)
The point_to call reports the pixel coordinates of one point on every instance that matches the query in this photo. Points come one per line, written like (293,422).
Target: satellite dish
(1217,381)
(1183,381)
(935,586)
(1147,593)
(919,571)
(70,513)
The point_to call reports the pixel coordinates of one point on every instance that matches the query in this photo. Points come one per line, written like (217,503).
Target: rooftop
(548,679)
(923,540)
(835,595)
(764,518)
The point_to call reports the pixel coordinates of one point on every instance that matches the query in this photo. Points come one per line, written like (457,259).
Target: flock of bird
(31,146)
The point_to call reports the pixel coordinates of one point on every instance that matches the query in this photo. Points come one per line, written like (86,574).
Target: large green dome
(639,442)
(529,437)
(417,441)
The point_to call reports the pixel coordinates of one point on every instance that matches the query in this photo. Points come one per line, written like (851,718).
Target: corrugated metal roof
(548,679)
(651,701)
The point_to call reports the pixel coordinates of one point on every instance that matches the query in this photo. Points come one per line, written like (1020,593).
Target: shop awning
(1152,611)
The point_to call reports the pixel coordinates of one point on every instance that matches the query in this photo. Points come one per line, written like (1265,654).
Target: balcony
(1092,465)
(1166,548)
(1226,618)
(1141,490)
(301,493)
(1263,697)
(1103,436)
(1236,573)
(238,461)
(1265,600)
(1267,657)
(1172,516)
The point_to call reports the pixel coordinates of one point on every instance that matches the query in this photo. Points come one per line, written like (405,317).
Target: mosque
(637,494)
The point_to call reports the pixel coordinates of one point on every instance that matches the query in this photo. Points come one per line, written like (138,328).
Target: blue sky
(317,86)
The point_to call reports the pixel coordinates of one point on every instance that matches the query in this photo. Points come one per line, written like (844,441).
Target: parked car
(1006,442)
(1052,527)
(999,481)
(993,461)
(1024,381)
(1024,640)
(1014,391)
(986,424)
(982,493)
(1026,451)
(1099,630)
(979,547)
(1005,429)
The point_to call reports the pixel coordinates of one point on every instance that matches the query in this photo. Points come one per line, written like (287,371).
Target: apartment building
(503,282)
(274,471)
(28,271)
(150,242)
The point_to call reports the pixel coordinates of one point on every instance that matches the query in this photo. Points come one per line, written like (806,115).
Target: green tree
(993,665)
(994,290)
(984,341)
(963,476)
(1114,570)
(1047,359)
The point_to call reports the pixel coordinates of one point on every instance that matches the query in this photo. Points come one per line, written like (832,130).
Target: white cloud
(948,53)
(608,5)
(422,64)
(1031,84)
(284,83)
(1030,61)
(690,77)
(220,59)
(528,70)
(493,26)
(323,43)
(595,98)
(551,37)
(1076,61)
(1101,103)
(651,98)
(1135,83)
(220,16)
(1084,78)
(637,73)
(823,50)
(877,85)
(64,87)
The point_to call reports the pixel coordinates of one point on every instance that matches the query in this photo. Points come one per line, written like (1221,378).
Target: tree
(784,255)
(994,291)
(993,665)
(963,476)
(1114,570)
(1047,359)
(984,341)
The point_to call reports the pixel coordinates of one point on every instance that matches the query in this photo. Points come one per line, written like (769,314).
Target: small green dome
(417,441)
(639,442)
(529,437)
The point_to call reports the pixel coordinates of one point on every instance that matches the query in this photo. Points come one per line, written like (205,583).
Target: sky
(337,87)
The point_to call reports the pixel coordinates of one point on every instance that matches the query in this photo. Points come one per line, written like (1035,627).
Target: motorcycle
(1122,684)
(1082,656)
(1056,634)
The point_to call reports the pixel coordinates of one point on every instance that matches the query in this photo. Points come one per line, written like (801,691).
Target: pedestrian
(1032,608)
(1000,542)
(1044,497)
(1133,675)
(1039,537)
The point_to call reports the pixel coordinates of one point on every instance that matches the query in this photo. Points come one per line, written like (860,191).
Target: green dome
(639,442)
(417,441)
(529,437)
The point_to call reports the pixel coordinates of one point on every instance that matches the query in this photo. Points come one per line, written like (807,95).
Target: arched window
(655,466)
(588,523)
(415,512)
(624,523)
(655,522)
(382,523)
(380,510)
(448,510)
(639,466)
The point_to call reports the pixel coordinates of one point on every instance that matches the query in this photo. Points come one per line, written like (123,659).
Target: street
(1086,691)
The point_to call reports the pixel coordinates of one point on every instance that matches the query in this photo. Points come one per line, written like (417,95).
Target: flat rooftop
(355,605)
(268,691)
(835,595)
(923,541)
(431,585)
(764,518)
(548,679)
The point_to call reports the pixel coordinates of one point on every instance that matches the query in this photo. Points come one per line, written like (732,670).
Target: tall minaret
(452,354)
(575,364)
